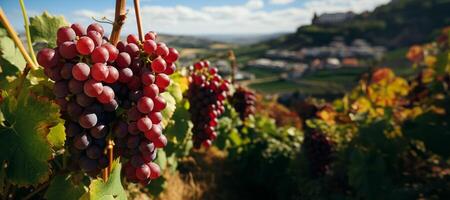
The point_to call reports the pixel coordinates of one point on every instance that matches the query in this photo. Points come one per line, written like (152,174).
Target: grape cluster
(81,66)
(207,93)
(243,101)
(318,150)
(94,78)
(146,68)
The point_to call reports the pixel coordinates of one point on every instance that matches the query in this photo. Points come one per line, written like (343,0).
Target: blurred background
(284,47)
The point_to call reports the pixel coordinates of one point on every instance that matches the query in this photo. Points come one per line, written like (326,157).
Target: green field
(260,73)
(320,83)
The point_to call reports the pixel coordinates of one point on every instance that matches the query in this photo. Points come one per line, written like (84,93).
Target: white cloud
(255,4)
(243,19)
(281,2)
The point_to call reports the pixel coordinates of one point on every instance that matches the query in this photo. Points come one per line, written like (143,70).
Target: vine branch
(119,19)
(13,34)
(137,10)
(27,31)
(103,20)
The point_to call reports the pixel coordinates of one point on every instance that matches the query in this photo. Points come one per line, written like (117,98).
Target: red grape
(79,29)
(47,58)
(149,46)
(107,95)
(100,55)
(132,39)
(65,34)
(93,88)
(145,105)
(113,75)
(85,45)
(96,27)
(99,71)
(173,55)
(159,65)
(81,71)
(123,60)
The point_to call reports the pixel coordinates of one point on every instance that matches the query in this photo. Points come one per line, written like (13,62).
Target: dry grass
(202,176)
(199,177)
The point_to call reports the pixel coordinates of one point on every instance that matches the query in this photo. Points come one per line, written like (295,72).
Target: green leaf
(167,113)
(11,54)
(112,189)
(57,136)
(3,31)
(161,159)
(156,187)
(433,130)
(180,125)
(43,28)
(175,90)
(62,187)
(23,140)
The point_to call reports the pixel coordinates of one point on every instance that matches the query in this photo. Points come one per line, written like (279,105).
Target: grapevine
(82,69)
(207,93)
(144,75)
(244,102)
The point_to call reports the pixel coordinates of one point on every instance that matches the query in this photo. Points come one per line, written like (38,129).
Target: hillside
(397,24)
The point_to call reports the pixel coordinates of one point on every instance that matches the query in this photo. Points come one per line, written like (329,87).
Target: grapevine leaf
(180,125)
(57,136)
(23,137)
(169,110)
(3,31)
(172,162)
(176,92)
(43,28)
(161,160)
(112,189)
(181,81)
(433,130)
(7,71)
(11,54)
(156,187)
(62,187)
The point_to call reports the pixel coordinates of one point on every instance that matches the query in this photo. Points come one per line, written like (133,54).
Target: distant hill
(399,23)
(186,41)
(240,39)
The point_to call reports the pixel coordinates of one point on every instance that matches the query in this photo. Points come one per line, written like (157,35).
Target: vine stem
(13,34)
(119,19)
(110,154)
(137,10)
(37,190)
(27,30)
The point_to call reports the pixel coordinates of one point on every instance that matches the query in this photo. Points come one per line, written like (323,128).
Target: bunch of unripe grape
(207,93)
(93,79)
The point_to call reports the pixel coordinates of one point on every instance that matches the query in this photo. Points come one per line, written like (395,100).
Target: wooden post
(233,63)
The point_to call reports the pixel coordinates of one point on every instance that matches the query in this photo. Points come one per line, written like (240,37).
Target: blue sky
(196,16)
